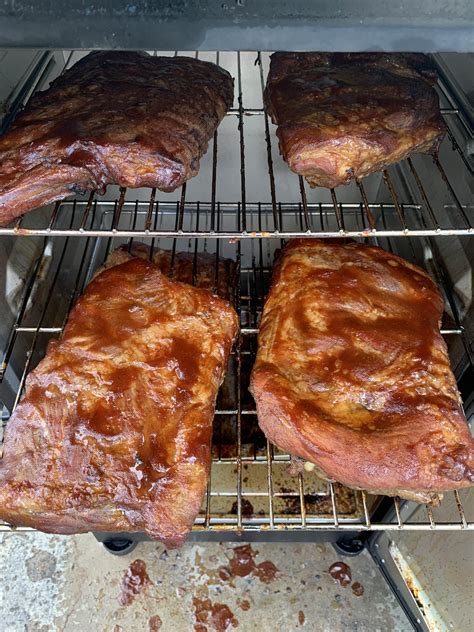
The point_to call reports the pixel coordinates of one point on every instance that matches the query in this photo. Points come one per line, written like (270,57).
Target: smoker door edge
(341,25)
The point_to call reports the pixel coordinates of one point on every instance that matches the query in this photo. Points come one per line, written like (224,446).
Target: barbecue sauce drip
(242,564)
(134,581)
(218,616)
(357,589)
(154,623)
(247,508)
(266,571)
(341,573)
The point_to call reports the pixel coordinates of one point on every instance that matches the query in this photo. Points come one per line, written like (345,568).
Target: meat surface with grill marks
(353,375)
(115,117)
(342,116)
(114,430)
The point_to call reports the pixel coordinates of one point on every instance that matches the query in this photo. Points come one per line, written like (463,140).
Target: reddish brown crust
(114,430)
(115,117)
(353,375)
(342,116)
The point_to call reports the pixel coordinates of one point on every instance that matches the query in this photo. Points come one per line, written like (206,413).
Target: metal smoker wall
(426,26)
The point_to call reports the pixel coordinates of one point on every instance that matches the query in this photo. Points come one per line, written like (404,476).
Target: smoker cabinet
(244,204)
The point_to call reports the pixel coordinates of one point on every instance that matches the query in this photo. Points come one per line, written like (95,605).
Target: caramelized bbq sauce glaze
(117,117)
(114,430)
(342,116)
(353,374)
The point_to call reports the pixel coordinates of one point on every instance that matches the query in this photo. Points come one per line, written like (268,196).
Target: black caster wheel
(349,548)
(119,546)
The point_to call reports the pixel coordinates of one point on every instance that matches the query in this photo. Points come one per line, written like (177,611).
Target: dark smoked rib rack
(197,226)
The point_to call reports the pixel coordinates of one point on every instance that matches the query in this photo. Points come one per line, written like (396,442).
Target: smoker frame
(424,26)
(96,222)
(371,222)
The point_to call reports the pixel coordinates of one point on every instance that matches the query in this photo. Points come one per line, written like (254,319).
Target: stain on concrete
(40,565)
(36,626)
(26,604)
(155,623)
(134,581)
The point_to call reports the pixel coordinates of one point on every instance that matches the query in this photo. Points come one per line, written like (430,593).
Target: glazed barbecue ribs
(353,375)
(114,430)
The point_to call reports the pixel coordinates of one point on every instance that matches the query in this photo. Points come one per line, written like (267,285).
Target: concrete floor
(54,583)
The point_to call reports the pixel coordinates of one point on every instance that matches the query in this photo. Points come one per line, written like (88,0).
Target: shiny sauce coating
(353,375)
(120,410)
(120,117)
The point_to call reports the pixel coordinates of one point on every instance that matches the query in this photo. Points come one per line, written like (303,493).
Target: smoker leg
(350,547)
(353,543)
(119,546)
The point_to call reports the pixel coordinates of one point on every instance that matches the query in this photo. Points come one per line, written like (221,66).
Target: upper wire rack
(355,211)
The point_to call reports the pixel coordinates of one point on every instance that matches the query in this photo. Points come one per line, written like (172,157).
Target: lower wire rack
(254,487)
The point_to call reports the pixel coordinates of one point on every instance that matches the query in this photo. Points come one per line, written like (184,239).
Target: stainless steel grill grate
(359,217)
(253,486)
